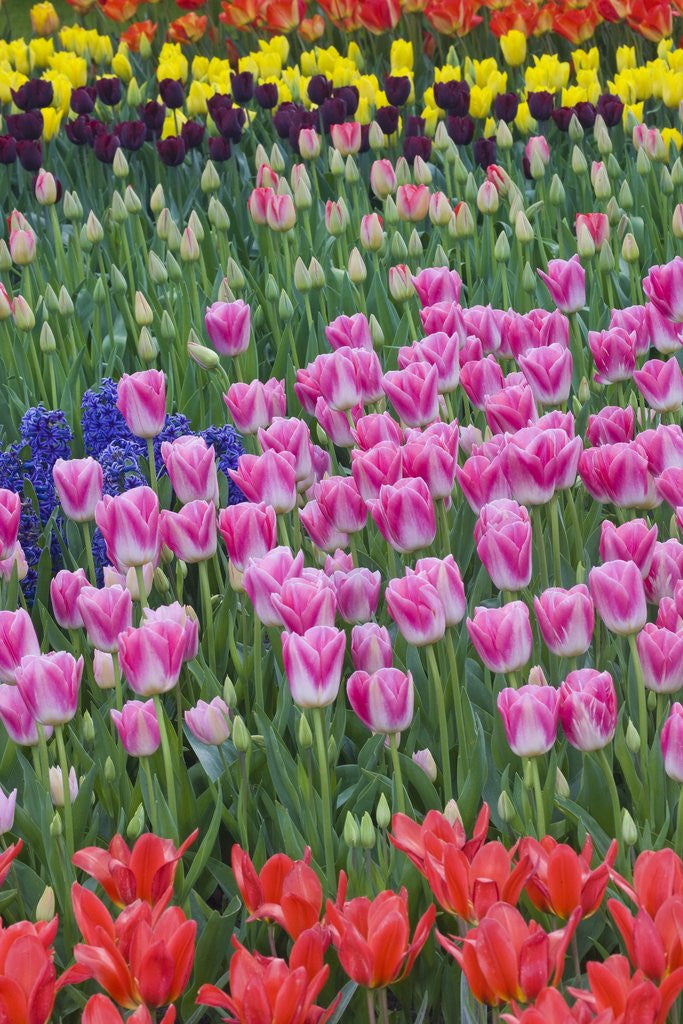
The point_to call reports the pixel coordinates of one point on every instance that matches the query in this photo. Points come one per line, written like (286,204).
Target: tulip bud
(120,165)
(142,310)
(523,229)
(643,165)
(163,224)
(677,172)
(195,224)
(629,832)
(666,184)
(304,734)
(109,770)
(471,189)
(528,775)
(167,327)
(65,306)
(501,249)
(132,199)
(585,246)
(351,172)
(94,231)
(506,808)
(629,249)
(240,735)
(45,907)
(88,728)
(336,162)
(584,391)
(367,832)
(575,131)
(451,813)
(136,823)
(561,785)
(579,163)
(302,196)
(651,700)
(209,181)
(601,136)
(174,238)
(383,813)
(225,293)
(556,193)
(116,280)
(632,738)
(218,215)
(390,210)
(441,137)
(421,172)
(276,159)
(47,339)
(56,779)
(86,244)
(46,189)
(229,693)
(302,277)
(528,279)
(24,318)
(424,759)
(189,246)
(356,267)
(73,210)
(504,138)
(351,833)
(317,273)
(677,221)
(157,201)
(403,176)
(606,258)
(375,137)
(459,170)
(376,332)
(156,269)
(5,256)
(415,249)
(56,826)
(614,213)
(284,307)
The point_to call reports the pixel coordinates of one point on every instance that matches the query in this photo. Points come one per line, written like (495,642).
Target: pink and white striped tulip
(17,717)
(270,478)
(313,665)
(306,601)
(502,636)
(129,523)
(666,570)
(664,288)
(184,616)
(503,537)
(633,540)
(322,532)
(65,588)
(10,515)
(341,502)
(152,655)
(566,619)
(414,393)
(105,614)
(49,684)
(383,701)
(357,594)
(611,425)
(371,647)
(141,400)
(404,515)
(566,283)
(672,743)
(416,608)
(265,576)
(661,657)
(588,709)
(294,436)
(530,716)
(660,382)
(549,373)
(440,350)
(254,405)
(349,331)
(249,530)
(17,640)
(190,533)
(191,467)
(380,465)
(444,576)
(138,727)
(209,722)
(619,596)
(78,483)
(437,284)
(228,325)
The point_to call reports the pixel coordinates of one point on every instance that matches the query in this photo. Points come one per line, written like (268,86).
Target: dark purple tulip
(505,106)
(30,154)
(332,111)
(219,101)
(586,114)
(28,125)
(171,150)
(319,89)
(83,99)
(526,168)
(453,97)
(33,95)
(460,129)
(152,115)
(387,119)
(285,115)
(193,134)
(109,90)
(397,89)
(8,149)
(80,130)
(172,93)
(350,96)
(414,125)
(562,116)
(610,109)
(131,134)
(230,122)
(485,152)
(364,138)
(417,145)
(541,105)
(243,87)
(104,146)
(266,95)
(219,149)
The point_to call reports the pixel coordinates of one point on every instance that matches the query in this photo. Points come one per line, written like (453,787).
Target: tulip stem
(117,679)
(44,763)
(141,585)
(443,724)
(398,777)
(555,531)
(152,465)
(384,1006)
(146,767)
(372,1019)
(540,545)
(642,718)
(538,793)
(208,612)
(258,663)
(168,764)
(614,797)
(68,816)
(88,552)
(319,724)
(457,695)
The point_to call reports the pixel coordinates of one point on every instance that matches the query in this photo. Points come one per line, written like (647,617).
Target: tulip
(249,530)
(482,480)
(661,384)
(566,282)
(549,373)
(413,392)
(322,532)
(511,409)
(191,467)
(566,619)
(265,577)
(664,288)
(617,590)
(562,879)
(376,429)
(614,354)
(633,540)
(313,665)
(382,178)
(7,806)
(481,378)
(285,891)
(383,701)
(662,447)
(138,728)
(10,514)
(597,226)
(433,458)
(268,478)
(437,284)
(17,717)
(103,670)
(280,212)
(502,636)
(618,473)
(412,202)
(672,743)
(339,380)
(254,405)
(380,465)
(228,325)
(49,684)
(191,533)
(129,524)
(209,722)
(78,483)
(22,246)
(346,138)
(444,576)
(65,588)
(416,608)
(440,350)
(142,402)
(184,616)
(152,656)
(610,425)
(371,648)
(503,538)
(588,709)
(530,716)
(306,601)
(669,485)
(56,781)
(357,593)
(661,658)
(404,515)
(105,614)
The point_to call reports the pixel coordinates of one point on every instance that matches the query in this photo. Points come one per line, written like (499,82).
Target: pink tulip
(182,615)
(249,530)
(549,373)
(596,224)
(339,380)
(540,462)
(341,502)
(537,146)
(209,722)
(412,202)
(382,178)
(437,284)
(306,601)
(588,709)
(129,524)
(103,670)
(665,571)
(346,137)
(672,743)
(434,460)
(268,478)
(444,576)
(142,402)
(611,425)
(617,590)
(511,409)
(313,665)
(446,317)
(661,657)
(663,333)
(78,483)
(17,640)
(371,647)
(377,428)
(618,473)
(322,532)
(254,405)
(138,727)
(384,700)
(486,324)
(338,561)
(65,588)
(536,329)
(335,423)
(265,576)
(660,382)
(7,809)
(370,375)
(17,717)
(480,379)
(129,580)
(380,465)
(349,331)
(566,282)
(670,610)
(482,480)
(357,594)
(10,514)
(503,537)
(105,614)
(228,325)
(664,288)
(440,350)
(662,447)
(413,392)
(566,619)
(49,684)
(257,204)
(614,354)
(669,485)
(416,608)
(151,656)
(632,320)
(404,515)
(191,467)
(190,533)
(633,540)
(530,716)
(502,636)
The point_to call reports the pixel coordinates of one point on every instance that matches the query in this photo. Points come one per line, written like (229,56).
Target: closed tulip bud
(504,138)
(601,183)
(225,292)
(195,224)
(367,832)
(304,734)
(45,907)
(161,584)
(606,258)
(317,273)
(173,238)
(173,268)
(501,249)
(284,307)
(5,257)
(137,822)
(415,249)
(240,735)
(229,693)
(398,248)
(441,137)
(120,165)
(356,267)
(561,785)
(73,210)
(528,279)
(47,339)
(88,728)
(677,172)
(302,277)
(470,188)
(614,215)
(376,332)
(351,172)
(351,833)
(46,188)
(464,221)
(24,318)
(383,813)
(643,164)
(94,231)
(390,211)
(666,184)
(57,785)
(56,826)
(218,215)
(132,199)
(556,193)
(524,232)
(629,831)
(403,176)
(506,808)
(336,162)
(142,311)
(421,172)
(209,181)
(117,281)
(579,162)
(156,269)
(157,200)
(375,137)
(451,813)
(167,327)
(302,196)
(424,759)
(189,247)
(632,738)
(677,221)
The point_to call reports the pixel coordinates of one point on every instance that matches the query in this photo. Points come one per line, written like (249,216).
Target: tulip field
(341,511)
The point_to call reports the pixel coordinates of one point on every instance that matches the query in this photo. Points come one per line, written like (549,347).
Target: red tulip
(434,835)
(657,875)
(285,891)
(28,980)
(100,1010)
(468,887)
(616,995)
(653,943)
(562,879)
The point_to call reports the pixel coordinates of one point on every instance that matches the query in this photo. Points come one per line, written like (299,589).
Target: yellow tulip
(197,95)
(75,68)
(626,57)
(44,19)
(524,122)
(513,46)
(672,135)
(200,67)
(100,48)
(173,122)
(364,112)
(401,55)
(278,45)
(480,101)
(41,52)
(672,89)
(51,121)
(309,65)
(353,52)
(120,65)
(585,59)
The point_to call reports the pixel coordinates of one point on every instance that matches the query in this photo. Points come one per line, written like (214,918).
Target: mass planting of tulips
(341,513)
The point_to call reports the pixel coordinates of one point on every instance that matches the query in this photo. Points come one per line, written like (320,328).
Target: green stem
(384,1006)
(152,465)
(88,553)
(140,576)
(555,531)
(614,796)
(147,769)
(321,749)
(68,815)
(398,778)
(117,680)
(443,724)
(258,663)
(642,719)
(538,793)
(208,612)
(44,763)
(540,545)
(457,695)
(168,764)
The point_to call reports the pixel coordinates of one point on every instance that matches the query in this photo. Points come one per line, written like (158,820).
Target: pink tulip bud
(266,177)
(17,640)
(357,593)
(22,246)
(404,515)
(209,723)
(190,533)
(413,392)
(254,405)
(382,178)
(17,717)
(322,532)
(530,716)
(65,588)
(129,523)
(49,684)
(371,233)
(341,502)
(371,647)
(665,571)
(416,608)
(660,382)
(45,188)
(349,332)
(412,202)
(549,373)
(337,217)
(191,467)
(611,425)
(661,658)
(588,709)
(338,561)
(566,282)
(424,759)
(503,537)
(502,636)
(138,726)
(313,665)
(280,212)
(78,483)
(270,478)
(672,743)
(633,540)
(537,147)
(7,807)
(103,670)
(257,204)
(384,700)
(249,531)
(309,143)
(185,617)
(10,515)
(152,656)
(401,286)
(596,224)
(346,137)
(664,288)
(264,577)
(56,780)
(142,402)
(617,590)
(566,619)
(440,350)
(228,325)
(437,284)
(614,354)
(306,601)
(294,436)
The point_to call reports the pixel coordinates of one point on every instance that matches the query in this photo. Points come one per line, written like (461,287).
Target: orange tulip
(312,29)
(100,1010)
(28,980)
(379,16)
(434,834)
(240,14)
(372,937)
(144,873)
(631,999)
(550,1008)
(132,36)
(562,879)
(505,959)
(657,875)
(285,891)
(576,25)
(453,17)
(469,889)
(652,20)
(188,29)
(283,15)
(119,10)
(343,14)
(520,15)
(654,945)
